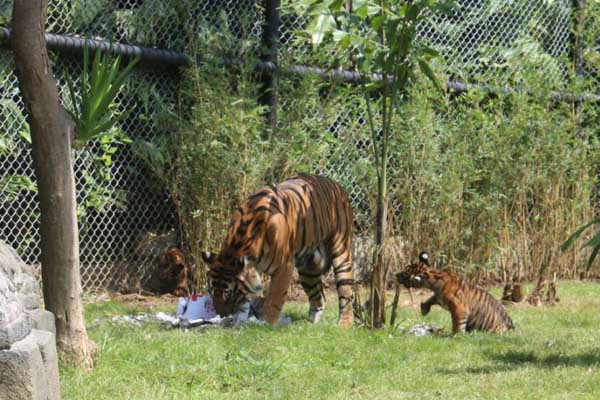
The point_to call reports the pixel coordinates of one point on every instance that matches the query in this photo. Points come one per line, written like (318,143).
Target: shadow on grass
(513,360)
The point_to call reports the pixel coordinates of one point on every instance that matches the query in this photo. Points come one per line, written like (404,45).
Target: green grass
(553,354)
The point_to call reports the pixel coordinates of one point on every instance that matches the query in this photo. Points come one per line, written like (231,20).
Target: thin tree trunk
(378,281)
(51,136)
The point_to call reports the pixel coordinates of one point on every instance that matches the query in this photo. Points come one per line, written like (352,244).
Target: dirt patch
(148,301)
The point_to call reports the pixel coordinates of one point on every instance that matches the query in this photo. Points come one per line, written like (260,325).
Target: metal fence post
(578,41)
(269,55)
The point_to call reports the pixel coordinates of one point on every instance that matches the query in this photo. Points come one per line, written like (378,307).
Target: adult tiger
(305,221)
(470,306)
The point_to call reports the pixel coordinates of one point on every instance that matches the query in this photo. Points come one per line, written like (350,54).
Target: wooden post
(269,55)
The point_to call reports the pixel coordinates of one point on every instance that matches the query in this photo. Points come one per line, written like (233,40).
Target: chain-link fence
(122,213)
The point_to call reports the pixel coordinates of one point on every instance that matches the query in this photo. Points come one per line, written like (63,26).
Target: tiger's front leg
(426,306)
(278,288)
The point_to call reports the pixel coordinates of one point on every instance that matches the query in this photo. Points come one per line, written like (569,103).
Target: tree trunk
(378,279)
(51,136)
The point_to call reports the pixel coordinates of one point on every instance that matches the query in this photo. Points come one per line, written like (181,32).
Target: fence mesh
(122,213)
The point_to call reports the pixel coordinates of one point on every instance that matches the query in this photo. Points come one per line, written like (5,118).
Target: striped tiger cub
(306,222)
(470,306)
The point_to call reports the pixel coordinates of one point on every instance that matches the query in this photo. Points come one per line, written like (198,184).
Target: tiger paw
(345,323)
(314,316)
(425,308)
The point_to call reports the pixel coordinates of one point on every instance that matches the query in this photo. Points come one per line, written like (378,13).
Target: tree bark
(51,136)
(378,279)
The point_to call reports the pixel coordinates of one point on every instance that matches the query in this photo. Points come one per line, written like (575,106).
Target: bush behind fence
(456,184)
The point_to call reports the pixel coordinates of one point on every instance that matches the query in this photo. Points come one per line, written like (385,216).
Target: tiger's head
(416,275)
(230,282)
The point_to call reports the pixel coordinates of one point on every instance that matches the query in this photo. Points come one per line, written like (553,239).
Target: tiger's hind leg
(310,273)
(459,314)
(342,268)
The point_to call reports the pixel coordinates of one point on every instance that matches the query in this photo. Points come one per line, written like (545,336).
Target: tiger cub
(471,307)
(304,222)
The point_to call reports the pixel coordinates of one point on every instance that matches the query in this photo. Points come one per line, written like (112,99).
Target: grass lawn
(553,354)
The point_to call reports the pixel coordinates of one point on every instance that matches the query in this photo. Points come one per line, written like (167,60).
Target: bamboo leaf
(593,257)
(593,242)
(320,27)
(93,114)
(576,235)
(426,69)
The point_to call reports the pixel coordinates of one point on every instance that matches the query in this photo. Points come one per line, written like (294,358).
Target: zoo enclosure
(124,220)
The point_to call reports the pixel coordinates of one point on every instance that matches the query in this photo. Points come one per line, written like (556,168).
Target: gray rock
(14,331)
(43,320)
(29,369)
(28,360)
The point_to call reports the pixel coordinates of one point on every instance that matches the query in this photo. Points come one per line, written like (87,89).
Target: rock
(14,331)
(29,369)
(43,320)
(28,360)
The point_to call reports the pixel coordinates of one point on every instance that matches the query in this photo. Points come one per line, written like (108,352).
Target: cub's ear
(424,258)
(208,257)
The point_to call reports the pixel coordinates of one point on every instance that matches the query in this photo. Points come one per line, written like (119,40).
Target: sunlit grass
(554,353)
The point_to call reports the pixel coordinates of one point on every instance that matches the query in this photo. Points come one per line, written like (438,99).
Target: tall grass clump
(216,147)
(213,149)
(493,184)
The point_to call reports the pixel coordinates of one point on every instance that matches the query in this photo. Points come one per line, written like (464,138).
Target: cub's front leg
(278,288)
(426,306)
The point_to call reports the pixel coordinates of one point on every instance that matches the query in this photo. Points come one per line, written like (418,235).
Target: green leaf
(428,51)
(377,22)
(593,242)
(93,112)
(426,69)
(577,234)
(25,134)
(320,27)
(593,257)
(339,35)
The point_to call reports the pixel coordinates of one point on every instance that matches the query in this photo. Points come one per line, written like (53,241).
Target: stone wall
(28,358)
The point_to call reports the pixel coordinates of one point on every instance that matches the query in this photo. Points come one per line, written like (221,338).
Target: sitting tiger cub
(470,306)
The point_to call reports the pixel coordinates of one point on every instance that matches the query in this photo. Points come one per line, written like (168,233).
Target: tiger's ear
(424,258)
(208,257)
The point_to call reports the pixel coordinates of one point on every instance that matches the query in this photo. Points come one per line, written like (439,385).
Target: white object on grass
(196,307)
(423,330)
(315,315)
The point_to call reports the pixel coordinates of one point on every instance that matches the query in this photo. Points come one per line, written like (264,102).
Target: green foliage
(5,13)
(380,37)
(493,183)
(12,186)
(93,111)
(217,147)
(593,243)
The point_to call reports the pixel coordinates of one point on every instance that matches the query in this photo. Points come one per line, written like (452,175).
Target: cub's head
(230,282)
(171,263)
(416,275)
(173,271)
